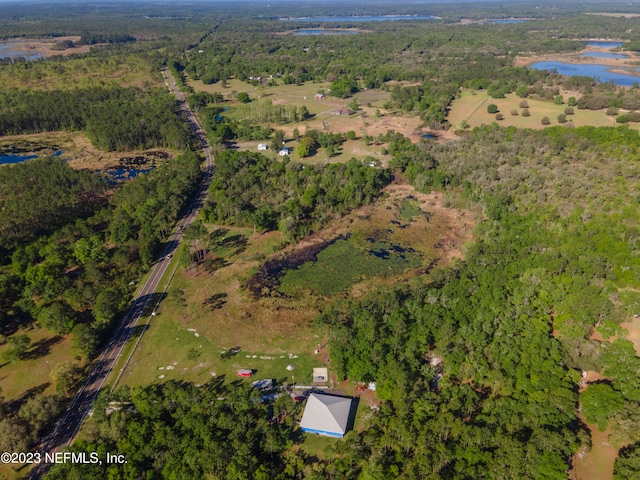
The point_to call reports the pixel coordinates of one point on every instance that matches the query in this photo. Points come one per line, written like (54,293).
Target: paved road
(68,426)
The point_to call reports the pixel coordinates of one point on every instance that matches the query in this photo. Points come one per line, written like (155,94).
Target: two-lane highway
(68,426)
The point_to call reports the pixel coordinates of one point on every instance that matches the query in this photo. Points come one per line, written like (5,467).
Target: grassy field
(345,262)
(209,324)
(471,107)
(19,379)
(124,70)
(191,336)
(368,120)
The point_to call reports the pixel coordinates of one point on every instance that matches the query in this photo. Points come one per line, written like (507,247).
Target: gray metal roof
(327,413)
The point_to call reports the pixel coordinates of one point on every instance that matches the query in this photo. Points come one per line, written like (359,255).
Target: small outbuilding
(284,151)
(262,146)
(319,96)
(326,415)
(320,375)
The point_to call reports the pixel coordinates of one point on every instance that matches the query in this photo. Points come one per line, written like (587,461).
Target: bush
(612,111)
(524,104)
(492,108)
(545,121)
(572,102)
(525,113)
(562,118)
(559,100)
(568,111)
(514,112)
(499,116)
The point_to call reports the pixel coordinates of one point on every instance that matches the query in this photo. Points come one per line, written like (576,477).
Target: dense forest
(113,118)
(251,189)
(220,428)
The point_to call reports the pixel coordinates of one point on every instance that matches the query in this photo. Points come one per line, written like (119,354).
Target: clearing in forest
(471,106)
(214,321)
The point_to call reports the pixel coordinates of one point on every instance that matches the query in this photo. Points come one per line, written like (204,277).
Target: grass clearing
(345,262)
(471,106)
(20,379)
(599,461)
(77,150)
(274,331)
(372,120)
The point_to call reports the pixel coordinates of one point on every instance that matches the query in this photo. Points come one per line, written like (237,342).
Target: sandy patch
(633,327)
(598,462)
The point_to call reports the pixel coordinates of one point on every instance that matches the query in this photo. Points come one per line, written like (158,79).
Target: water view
(604,55)
(602,73)
(605,44)
(9,159)
(322,31)
(12,50)
(369,18)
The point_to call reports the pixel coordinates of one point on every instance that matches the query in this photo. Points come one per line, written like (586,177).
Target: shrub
(499,116)
(545,121)
(572,102)
(492,108)
(568,111)
(525,113)
(562,118)
(514,112)
(612,111)
(559,100)
(524,104)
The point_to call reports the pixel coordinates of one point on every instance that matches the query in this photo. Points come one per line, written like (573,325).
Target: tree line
(113,118)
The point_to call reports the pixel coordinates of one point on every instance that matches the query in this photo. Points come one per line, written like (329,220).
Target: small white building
(284,151)
(262,146)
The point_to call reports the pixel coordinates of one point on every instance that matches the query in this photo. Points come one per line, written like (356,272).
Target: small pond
(601,72)
(604,55)
(364,18)
(13,50)
(120,174)
(322,31)
(8,159)
(499,21)
(605,44)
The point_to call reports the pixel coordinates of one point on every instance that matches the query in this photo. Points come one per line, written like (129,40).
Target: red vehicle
(243,372)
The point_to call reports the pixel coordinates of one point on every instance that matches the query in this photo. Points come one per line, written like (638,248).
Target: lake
(11,49)
(10,159)
(600,72)
(604,55)
(364,18)
(499,21)
(605,44)
(322,31)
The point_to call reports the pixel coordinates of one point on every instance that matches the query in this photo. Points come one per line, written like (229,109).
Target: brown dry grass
(598,462)
(633,327)
(77,149)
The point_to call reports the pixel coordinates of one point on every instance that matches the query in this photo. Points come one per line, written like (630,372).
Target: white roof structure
(326,415)
(320,375)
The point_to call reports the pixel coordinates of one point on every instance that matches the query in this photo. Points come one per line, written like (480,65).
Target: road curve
(68,426)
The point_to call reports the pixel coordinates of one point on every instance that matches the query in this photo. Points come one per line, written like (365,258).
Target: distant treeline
(113,118)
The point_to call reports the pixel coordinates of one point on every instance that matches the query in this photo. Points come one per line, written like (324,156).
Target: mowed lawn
(194,338)
(19,378)
(472,107)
